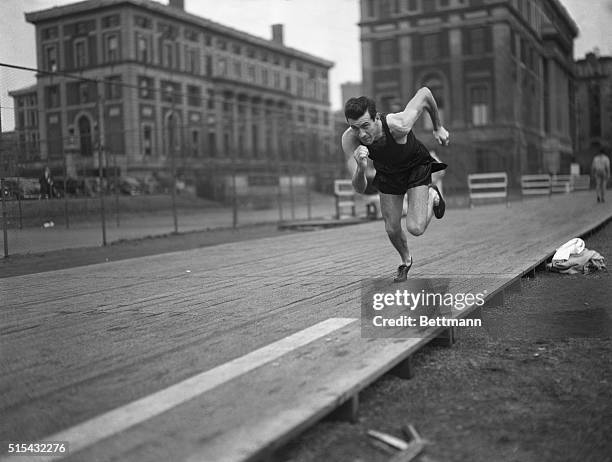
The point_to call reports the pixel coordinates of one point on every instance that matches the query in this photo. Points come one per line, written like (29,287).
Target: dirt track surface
(533,384)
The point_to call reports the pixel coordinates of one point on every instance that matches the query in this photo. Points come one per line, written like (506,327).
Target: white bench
(536,185)
(345,197)
(561,184)
(488,186)
(581,182)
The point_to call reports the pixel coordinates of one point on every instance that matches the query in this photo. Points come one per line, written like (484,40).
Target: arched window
(85,136)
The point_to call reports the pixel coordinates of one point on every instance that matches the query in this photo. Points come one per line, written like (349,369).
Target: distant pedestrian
(600,169)
(402,163)
(47,189)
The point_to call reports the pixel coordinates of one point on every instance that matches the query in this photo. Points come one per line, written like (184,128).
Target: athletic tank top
(390,157)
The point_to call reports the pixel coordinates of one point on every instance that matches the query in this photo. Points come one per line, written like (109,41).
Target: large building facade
(160,86)
(501,71)
(593,107)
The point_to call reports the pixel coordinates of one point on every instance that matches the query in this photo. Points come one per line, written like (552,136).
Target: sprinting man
(600,169)
(403,165)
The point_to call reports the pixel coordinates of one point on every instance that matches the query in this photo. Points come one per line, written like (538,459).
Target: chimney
(277,33)
(179,4)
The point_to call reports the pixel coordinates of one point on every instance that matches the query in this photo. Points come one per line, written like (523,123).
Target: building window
(167,54)
(51,58)
(195,143)
(387,52)
(111,52)
(191,35)
(477,41)
(84,94)
(443,3)
(145,85)
(113,87)
(143,49)
(413,5)
(479,103)
(192,62)
(49,33)
(210,102)
(264,76)
(80,53)
(171,92)
(194,95)
(52,96)
(237,69)
(370,6)
(147,140)
(85,136)
(251,72)
(110,21)
(222,67)
(143,21)
(212,144)
(429,6)
(431,46)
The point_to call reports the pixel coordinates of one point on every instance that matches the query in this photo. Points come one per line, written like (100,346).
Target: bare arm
(352,148)
(423,100)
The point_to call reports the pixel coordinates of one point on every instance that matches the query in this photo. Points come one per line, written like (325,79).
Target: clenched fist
(442,135)
(361,157)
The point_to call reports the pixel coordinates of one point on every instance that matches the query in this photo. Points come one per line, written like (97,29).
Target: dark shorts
(398,183)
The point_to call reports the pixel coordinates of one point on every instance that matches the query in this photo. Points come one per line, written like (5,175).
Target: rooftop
(57,12)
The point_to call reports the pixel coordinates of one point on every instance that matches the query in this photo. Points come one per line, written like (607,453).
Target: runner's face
(365,128)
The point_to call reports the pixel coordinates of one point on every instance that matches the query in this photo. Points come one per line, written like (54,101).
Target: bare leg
(599,183)
(421,201)
(391,208)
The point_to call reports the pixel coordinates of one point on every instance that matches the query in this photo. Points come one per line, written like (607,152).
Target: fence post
(291,195)
(99,89)
(4,224)
(116,179)
(234,199)
(308,198)
(175,128)
(66,218)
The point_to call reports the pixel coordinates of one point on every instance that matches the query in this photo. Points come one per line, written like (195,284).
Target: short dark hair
(356,107)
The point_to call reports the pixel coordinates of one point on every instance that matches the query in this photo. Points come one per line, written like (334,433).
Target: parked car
(21,188)
(130,186)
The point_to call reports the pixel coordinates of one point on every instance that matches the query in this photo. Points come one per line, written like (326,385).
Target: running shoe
(439,209)
(402,272)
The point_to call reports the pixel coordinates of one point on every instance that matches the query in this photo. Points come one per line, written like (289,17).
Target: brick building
(593,107)
(177,87)
(501,71)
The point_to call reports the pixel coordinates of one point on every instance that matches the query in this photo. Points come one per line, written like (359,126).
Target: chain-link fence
(150,154)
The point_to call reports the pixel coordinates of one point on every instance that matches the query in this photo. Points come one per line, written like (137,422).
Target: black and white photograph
(305,231)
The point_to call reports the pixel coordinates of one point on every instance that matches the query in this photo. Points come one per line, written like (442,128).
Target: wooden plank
(123,330)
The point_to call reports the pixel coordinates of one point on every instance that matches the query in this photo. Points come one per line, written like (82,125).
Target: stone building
(593,107)
(160,86)
(501,71)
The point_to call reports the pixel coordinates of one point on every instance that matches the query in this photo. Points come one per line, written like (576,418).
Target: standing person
(46,184)
(403,165)
(600,169)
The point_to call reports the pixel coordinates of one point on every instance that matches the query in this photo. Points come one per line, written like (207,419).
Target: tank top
(388,156)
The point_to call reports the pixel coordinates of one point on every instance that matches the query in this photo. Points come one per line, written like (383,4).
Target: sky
(325,28)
